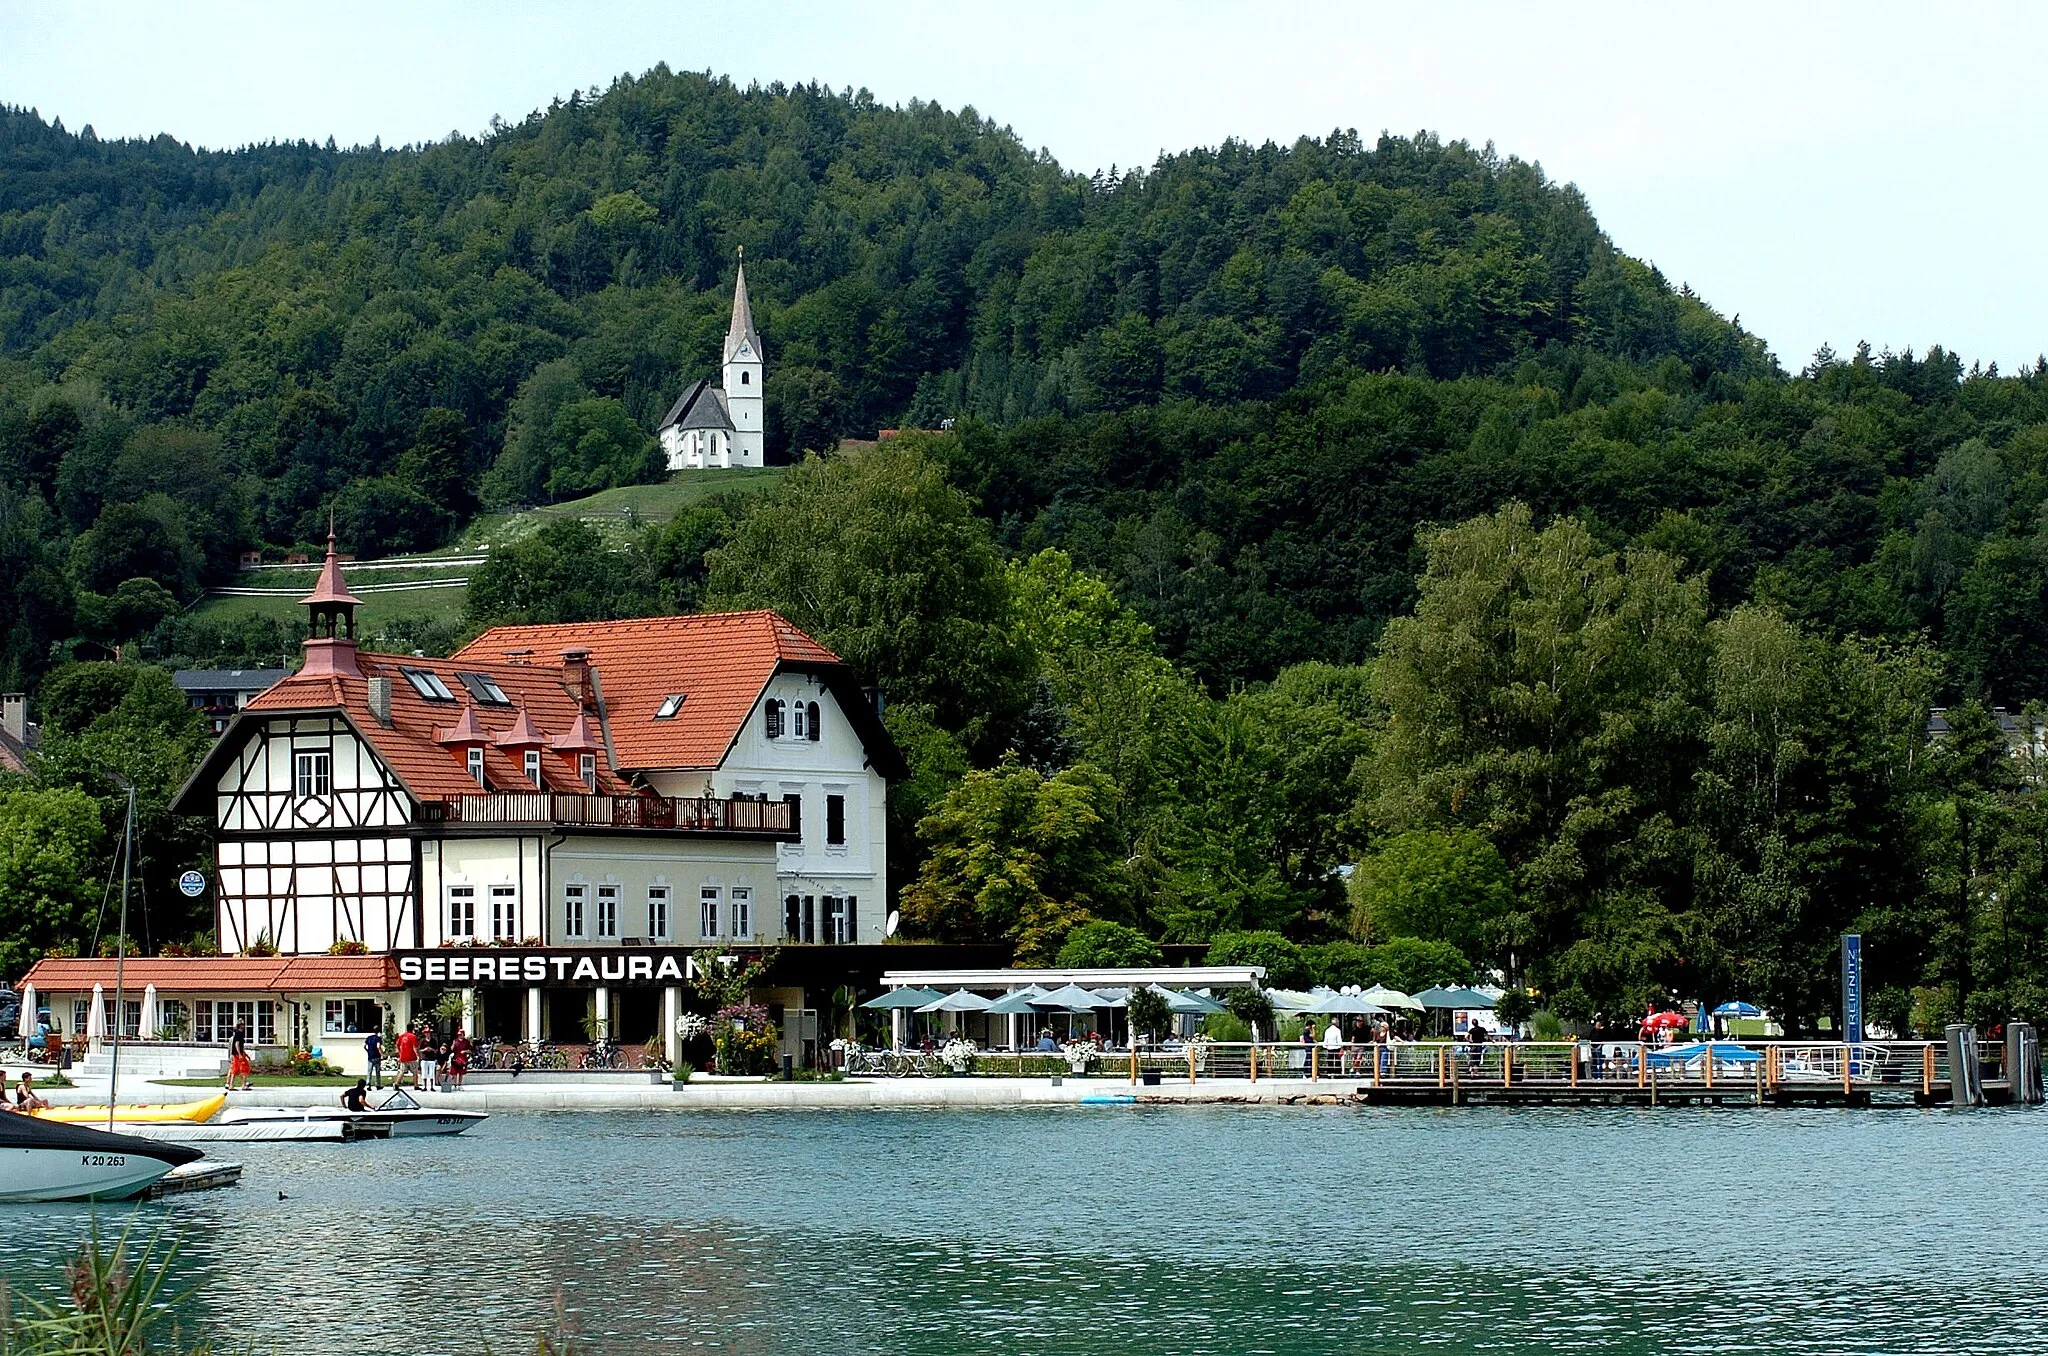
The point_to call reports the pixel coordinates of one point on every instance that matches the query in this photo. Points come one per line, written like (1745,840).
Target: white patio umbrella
(149,1017)
(960,1000)
(96,1018)
(1390,998)
(27,1025)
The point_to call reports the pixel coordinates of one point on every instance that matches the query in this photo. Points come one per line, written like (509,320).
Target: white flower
(958,1055)
(691,1024)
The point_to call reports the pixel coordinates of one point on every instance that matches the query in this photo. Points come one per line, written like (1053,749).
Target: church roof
(742,330)
(701,405)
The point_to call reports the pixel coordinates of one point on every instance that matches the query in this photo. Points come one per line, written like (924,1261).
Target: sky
(1827,172)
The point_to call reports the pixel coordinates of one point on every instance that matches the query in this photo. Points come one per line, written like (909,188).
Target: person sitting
(26,1094)
(1046,1044)
(356,1098)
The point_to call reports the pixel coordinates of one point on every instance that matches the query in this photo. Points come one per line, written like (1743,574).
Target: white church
(721,426)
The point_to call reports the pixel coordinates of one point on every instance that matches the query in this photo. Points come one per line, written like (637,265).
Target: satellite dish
(895,920)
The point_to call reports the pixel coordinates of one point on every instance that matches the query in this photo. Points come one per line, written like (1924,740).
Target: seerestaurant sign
(560,967)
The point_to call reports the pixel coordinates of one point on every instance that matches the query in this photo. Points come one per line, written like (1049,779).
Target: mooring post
(1965,1078)
(1927,1069)
(2023,1063)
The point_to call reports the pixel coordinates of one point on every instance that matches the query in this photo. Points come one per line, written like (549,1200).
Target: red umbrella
(1658,1020)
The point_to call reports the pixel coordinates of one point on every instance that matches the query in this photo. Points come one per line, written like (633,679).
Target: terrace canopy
(1020,1003)
(1390,998)
(1194,1004)
(1074,998)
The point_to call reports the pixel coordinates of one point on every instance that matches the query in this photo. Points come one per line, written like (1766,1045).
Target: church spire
(741,333)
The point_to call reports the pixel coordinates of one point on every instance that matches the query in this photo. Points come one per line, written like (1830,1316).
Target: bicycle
(603,1053)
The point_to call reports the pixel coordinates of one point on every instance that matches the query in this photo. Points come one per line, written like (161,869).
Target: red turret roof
(522,735)
(465,730)
(331,588)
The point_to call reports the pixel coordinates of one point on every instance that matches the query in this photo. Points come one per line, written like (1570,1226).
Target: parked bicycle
(603,1053)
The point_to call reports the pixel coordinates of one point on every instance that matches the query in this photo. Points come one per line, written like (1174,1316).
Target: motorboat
(43,1160)
(397,1115)
(138,1113)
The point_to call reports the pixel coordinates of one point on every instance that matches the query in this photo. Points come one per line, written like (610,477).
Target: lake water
(1124,1230)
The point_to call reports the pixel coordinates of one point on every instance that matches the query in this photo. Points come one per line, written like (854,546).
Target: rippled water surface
(1124,1230)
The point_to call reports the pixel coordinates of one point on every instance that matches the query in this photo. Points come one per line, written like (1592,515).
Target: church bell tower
(744,362)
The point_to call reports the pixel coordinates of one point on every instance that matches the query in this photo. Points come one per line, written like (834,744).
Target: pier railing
(1761,1068)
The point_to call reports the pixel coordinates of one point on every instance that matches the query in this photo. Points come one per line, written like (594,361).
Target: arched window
(771,712)
(811,731)
(796,719)
(746,378)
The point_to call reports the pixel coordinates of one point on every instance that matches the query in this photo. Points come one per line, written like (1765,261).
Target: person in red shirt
(408,1059)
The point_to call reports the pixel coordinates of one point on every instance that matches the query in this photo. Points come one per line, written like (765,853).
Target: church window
(428,684)
(771,713)
(746,378)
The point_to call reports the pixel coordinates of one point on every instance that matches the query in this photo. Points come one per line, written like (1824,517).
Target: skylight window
(428,684)
(670,704)
(485,689)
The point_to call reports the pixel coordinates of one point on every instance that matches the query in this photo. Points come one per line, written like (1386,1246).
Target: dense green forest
(1322,528)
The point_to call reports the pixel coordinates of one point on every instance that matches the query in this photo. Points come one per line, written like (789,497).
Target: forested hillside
(1342,504)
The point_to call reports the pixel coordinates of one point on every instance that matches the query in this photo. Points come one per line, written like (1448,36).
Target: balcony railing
(618,812)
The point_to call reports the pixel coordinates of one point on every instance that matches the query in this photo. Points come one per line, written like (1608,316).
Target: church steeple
(331,611)
(740,335)
(745,370)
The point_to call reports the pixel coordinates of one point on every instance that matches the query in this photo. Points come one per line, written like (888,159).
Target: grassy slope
(616,512)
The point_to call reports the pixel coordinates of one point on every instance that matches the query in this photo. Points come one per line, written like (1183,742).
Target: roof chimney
(576,673)
(14,716)
(380,701)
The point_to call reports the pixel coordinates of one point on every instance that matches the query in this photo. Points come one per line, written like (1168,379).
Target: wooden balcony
(706,815)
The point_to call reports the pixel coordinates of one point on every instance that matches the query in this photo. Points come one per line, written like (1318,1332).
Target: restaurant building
(552,823)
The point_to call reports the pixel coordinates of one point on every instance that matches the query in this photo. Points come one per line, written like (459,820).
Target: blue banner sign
(1852,987)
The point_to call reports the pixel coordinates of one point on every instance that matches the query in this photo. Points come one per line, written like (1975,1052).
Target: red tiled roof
(719,661)
(331,587)
(410,746)
(219,974)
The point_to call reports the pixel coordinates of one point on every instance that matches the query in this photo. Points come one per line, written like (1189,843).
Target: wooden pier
(1586,1073)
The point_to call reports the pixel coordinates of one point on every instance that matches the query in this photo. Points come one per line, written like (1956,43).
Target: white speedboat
(51,1161)
(397,1115)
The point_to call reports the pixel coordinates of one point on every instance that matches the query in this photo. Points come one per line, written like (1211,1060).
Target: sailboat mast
(121,958)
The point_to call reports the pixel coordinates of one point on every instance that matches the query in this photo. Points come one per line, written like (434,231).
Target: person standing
(373,1050)
(430,1063)
(408,1060)
(458,1060)
(240,1068)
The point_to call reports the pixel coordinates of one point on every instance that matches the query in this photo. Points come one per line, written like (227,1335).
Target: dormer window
(476,764)
(586,767)
(771,714)
(428,684)
(482,687)
(670,704)
(533,767)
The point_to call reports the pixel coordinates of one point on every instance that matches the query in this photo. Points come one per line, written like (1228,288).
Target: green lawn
(616,513)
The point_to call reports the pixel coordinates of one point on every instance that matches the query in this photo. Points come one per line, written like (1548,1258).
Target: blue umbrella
(1738,1009)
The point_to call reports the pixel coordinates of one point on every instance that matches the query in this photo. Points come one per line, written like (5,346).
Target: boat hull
(44,1161)
(65,1175)
(362,1124)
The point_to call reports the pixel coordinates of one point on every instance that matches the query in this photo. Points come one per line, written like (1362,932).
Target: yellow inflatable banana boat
(140,1112)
